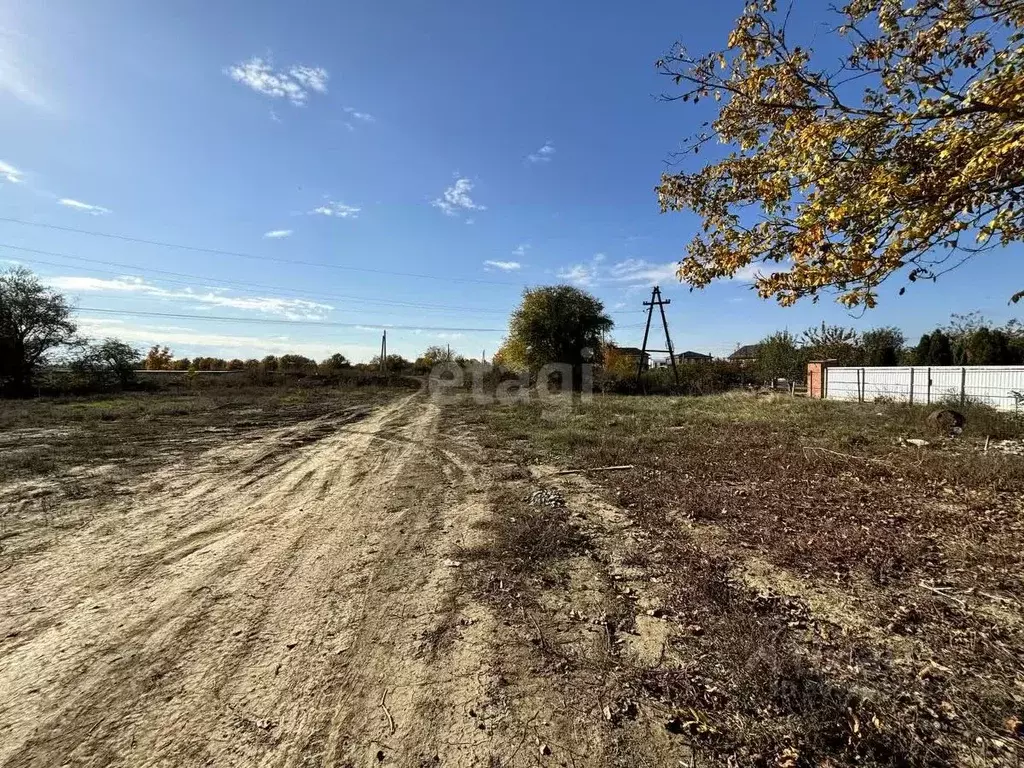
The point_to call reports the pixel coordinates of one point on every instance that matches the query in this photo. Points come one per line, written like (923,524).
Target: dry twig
(593,469)
(391,720)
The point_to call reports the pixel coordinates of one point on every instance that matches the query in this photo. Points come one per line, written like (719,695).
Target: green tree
(335,362)
(896,147)
(882,346)
(511,356)
(940,351)
(394,364)
(295,363)
(781,357)
(559,324)
(110,362)
(985,346)
(832,342)
(34,321)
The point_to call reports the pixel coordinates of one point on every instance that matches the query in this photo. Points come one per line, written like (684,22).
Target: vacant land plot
(773,581)
(290,577)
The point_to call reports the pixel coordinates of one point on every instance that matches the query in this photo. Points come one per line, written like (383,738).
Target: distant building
(748,353)
(683,357)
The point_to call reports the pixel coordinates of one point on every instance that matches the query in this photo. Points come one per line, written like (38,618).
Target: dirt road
(284,601)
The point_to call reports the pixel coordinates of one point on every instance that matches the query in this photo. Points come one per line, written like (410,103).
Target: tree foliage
(511,356)
(34,321)
(781,356)
(158,359)
(336,362)
(110,362)
(908,153)
(882,346)
(617,364)
(558,324)
(832,342)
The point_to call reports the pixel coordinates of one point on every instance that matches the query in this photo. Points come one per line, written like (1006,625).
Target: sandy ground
(284,601)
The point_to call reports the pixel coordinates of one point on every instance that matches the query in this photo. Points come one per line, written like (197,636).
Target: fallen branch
(593,469)
(540,634)
(391,720)
(807,448)
(938,591)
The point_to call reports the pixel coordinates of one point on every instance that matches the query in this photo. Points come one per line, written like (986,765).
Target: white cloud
(15,77)
(583,275)
(291,309)
(188,342)
(337,210)
(295,84)
(543,155)
(313,78)
(366,117)
(9,173)
(520,250)
(629,271)
(456,199)
(276,234)
(748,273)
(506,266)
(78,205)
(640,271)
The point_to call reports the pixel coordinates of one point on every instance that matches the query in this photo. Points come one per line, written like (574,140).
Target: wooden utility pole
(384,352)
(656,301)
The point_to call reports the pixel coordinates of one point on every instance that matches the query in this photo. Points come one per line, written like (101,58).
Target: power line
(232,283)
(241,255)
(271,321)
(242,283)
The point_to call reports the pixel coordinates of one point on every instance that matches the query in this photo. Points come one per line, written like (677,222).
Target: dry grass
(841,599)
(47,435)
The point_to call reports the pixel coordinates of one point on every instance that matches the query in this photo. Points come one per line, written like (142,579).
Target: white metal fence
(991,384)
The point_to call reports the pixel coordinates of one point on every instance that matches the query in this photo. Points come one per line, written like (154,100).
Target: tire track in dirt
(253,607)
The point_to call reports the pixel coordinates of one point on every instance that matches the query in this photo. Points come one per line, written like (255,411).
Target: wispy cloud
(543,155)
(291,309)
(583,275)
(366,117)
(505,266)
(456,199)
(629,271)
(187,342)
(10,174)
(78,205)
(520,250)
(337,210)
(640,271)
(15,77)
(294,84)
(748,273)
(276,234)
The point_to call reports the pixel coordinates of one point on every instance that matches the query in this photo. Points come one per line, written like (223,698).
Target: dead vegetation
(828,595)
(63,459)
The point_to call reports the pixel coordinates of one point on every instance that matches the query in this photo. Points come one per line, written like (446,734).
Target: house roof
(688,355)
(746,352)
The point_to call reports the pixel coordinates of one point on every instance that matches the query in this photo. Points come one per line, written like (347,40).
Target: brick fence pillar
(816,378)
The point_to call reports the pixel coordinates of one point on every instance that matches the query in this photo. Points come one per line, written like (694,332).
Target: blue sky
(370,164)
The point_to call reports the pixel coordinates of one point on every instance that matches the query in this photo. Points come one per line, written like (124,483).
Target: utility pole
(656,301)
(384,352)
